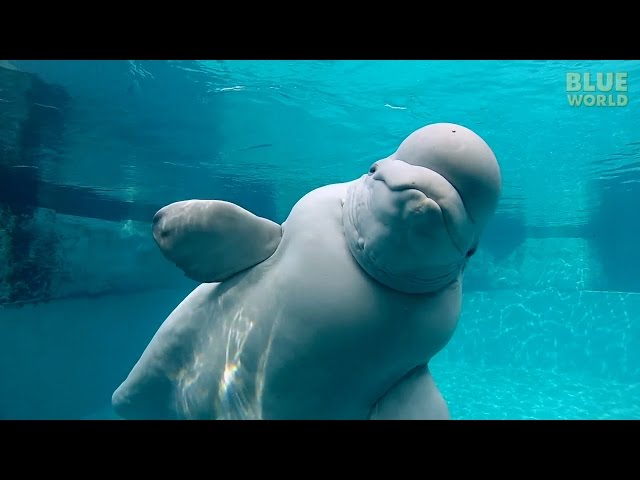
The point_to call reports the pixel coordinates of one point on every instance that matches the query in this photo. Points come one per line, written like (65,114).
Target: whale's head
(416,217)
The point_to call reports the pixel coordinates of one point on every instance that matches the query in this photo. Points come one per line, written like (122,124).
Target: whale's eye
(471,251)
(373,168)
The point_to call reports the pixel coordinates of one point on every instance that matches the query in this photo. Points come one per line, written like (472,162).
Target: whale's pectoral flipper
(414,397)
(211,240)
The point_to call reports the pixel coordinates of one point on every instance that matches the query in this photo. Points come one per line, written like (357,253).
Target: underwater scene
(320,239)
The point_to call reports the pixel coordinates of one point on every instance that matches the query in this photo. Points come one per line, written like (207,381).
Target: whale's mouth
(363,242)
(412,187)
(409,188)
(395,186)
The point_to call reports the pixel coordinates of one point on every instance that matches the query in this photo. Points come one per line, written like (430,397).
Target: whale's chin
(384,249)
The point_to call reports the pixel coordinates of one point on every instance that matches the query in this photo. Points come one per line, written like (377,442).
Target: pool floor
(478,393)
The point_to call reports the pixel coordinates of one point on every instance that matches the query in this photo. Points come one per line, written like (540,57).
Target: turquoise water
(551,302)
(498,393)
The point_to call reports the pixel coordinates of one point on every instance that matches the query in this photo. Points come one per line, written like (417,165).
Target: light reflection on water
(231,389)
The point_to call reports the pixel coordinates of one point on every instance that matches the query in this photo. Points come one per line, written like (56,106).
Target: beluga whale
(333,314)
